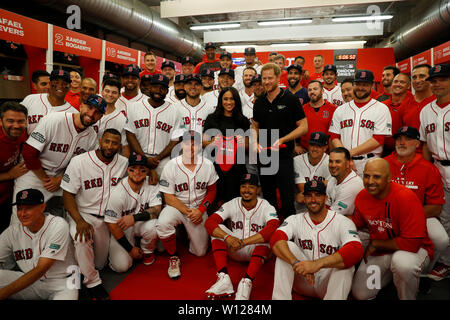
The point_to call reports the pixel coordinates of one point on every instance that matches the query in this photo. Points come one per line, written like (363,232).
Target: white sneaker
(244,289)
(174,268)
(222,288)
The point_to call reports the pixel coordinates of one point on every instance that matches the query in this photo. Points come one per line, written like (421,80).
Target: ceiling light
(283,22)
(291,44)
(215,26)
(346,42)
(362,18)
(237,46)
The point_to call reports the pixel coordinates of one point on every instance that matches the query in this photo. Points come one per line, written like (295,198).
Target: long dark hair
(237,114)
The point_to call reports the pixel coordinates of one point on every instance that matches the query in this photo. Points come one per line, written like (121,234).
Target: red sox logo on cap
(61,72)
(316,136)
(130,69)
(247,176)
(313,183)
(363,74)
(99,100)
(138,157)
(160,77)
(404,129)
(437,68)
(24,195)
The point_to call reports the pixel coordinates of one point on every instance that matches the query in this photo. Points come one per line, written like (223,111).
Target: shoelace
(173,263)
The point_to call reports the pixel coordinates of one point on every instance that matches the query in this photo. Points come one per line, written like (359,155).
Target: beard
(293,84)
(154,98)
(180,94)
(106,156)
(207,88)
(365,95)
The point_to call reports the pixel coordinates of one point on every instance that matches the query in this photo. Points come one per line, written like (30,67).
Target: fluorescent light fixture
(237,46)
(346,42)
(362,18)
(284,22)
(291,44)
(215,26)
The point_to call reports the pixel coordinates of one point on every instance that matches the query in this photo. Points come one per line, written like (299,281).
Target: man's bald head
(88,87)
(377,178)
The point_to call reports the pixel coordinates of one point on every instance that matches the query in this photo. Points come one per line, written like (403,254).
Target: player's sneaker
(223,287)
(98,293)
(244,289)
(174,268)
(439,272)
(149,258)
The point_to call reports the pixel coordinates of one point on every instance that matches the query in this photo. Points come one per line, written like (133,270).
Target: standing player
(193,110)
(149,65)
(246,93)
(258,91)
(131,93)
(178,92)
(294,75)
(332,92)
(316,251)
(13,134)
(305,74)
(39,105)
(318,111)
(54,142)
(312,165)
(253,221)
(399,247)
(344,184)
(188,183)
(318,62)
(151,125)
(361,125)
(347,90)
(226,61)
(207,81)
(280,60)
(88,86)
(73,96)
(41,81)
(112,118)
(187,66)
(42,250)
(132,211)
(250,61)
(168,69)
(434,120)
(86,186)
(389,72)
(211,62)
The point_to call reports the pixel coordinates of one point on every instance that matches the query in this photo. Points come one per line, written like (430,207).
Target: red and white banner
(441,54)
(404,65)
(422,58)
(76,43)
(120,54)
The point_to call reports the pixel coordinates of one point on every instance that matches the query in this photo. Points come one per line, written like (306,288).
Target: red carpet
(197,275)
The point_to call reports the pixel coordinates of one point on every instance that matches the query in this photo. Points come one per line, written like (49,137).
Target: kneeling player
(253,221)
(320,261)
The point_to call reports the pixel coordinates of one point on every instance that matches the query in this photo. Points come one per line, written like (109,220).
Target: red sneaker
(149,258)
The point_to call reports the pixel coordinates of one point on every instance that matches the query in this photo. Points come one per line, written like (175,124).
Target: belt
(369,155)
(445,163)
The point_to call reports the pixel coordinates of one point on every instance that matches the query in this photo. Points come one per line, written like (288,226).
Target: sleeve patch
(111,213)
(66,178)
(54,246)
(38,136)
(343,205)
(163,183)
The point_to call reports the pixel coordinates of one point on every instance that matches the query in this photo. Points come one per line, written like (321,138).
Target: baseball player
(41,104)
(316,251)
(225,79)
(253,221)
(361,125)
(344,184)
(294,75)
(188,183)
(40,80)
(131,93)
(410,169)
(151,124)
(187,66)
(312,165)
(226,61)
(332,91)
(42,250)
(318,111)
(211,62)
(86,186)
(177,92)
(258,91)
(318,62)
(347,89)
(132,211)
(207,81)
(399,247)
(389,72)
(54,142)
(149,65)
(112,118)
(246,93)
(88,87)
(434,126)
(250,61)
(193,110)
(168,69)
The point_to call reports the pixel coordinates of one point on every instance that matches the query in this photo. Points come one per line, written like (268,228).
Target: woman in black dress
(227,144)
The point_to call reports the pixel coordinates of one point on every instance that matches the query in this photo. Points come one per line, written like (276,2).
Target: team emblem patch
(38,136)
(54,246)
(111,213)
(66,178)
(163,183)
(343,205)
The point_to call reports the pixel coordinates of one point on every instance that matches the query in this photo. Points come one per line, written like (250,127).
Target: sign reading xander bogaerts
(76,43)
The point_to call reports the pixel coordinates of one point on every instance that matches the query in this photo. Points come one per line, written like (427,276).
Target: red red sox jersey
(434,130)
(357,125)
(124,201)
(58,141)
(334,96)
(399,214)
(114,120)
(193,118)
(38,106)
(319,240)
(317,121)
(91,180)
(153,127)
(341,197)
(52,241)
(304,171)
(188,186)
(123,104)
(419,175)
(411,115)
(247,222)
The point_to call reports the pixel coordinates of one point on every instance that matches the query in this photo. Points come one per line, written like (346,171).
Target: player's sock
(224,270)
(170,244)
(256,261)
(219,249)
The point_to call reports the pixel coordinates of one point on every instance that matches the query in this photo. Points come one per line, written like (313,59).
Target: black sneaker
(98,293)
